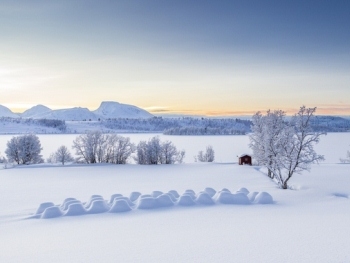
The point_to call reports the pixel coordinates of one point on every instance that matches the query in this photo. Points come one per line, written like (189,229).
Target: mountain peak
(6,112)
(113,109)
(36,110)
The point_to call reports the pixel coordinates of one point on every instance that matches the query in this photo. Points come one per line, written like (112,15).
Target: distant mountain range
(107,110)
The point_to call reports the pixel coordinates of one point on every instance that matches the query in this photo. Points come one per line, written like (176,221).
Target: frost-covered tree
(88,147)
(208,156)
(264,139)
(118,149)
(170,154)
(156,152)
(24,149)
(285,147)
(63,155)
(96,147)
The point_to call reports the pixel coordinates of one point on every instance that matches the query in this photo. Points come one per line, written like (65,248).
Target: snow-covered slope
(111,109)
(6,112)
(36,110)
(72,114)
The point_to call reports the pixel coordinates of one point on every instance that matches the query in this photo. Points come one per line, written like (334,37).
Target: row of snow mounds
(118,203)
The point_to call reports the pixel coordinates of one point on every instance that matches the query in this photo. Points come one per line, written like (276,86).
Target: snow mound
(210,191)
(66,204)
(225,197)
(146,203)
(134,195)
(263,198)
(186,200)
(75,209)
(43,206)
(51,212)
(118,203)
(251,196)
(164,200)
(120,206)
(98,206)
(174,193)
(155,194)
(204,199)
(243,190)
(111,200)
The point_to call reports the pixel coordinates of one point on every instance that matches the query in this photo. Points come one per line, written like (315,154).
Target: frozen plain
(308,223)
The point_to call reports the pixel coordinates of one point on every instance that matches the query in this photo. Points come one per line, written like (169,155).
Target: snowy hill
(36,110)
(72,114)
(113,110)
(6,112)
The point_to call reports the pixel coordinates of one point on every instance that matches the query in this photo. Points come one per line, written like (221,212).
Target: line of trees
(181,126)
(284,146)
(154,151)
(94,147)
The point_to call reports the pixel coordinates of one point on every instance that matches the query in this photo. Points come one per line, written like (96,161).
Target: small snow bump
(51,212)
(263,198)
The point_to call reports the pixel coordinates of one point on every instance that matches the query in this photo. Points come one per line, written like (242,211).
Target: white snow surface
(111,109)
(34,111)
(6,112)
(307,223)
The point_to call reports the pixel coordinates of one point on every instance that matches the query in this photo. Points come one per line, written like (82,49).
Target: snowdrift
(118,203)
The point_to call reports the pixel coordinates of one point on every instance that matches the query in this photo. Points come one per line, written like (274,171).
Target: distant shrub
(208,156)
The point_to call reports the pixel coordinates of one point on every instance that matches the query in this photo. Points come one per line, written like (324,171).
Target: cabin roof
(244,155)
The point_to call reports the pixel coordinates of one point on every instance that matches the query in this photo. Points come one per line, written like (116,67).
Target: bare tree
(208,156)
(156,152)
(88,147)
(63,155)
(118,149)
(95,147)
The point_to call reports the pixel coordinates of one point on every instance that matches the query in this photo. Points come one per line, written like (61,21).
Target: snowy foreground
(308,223)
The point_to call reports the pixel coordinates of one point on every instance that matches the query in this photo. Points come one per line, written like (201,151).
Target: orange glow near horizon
(341,110)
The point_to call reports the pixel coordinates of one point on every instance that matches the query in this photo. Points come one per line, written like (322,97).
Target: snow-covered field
(333,146)
(308,223)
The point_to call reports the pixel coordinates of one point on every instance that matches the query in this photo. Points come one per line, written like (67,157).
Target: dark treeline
(181,126)
(57,124)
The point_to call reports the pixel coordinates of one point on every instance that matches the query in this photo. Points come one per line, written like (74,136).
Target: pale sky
(194,57)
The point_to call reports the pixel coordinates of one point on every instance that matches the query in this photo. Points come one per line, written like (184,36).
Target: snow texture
(157,199)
